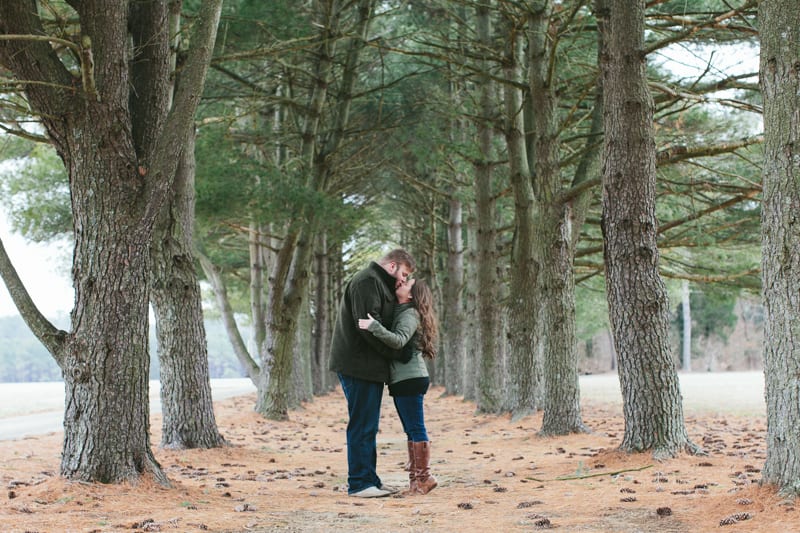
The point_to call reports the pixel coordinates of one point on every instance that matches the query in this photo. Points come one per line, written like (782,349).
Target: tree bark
(454,327)
(525,375)
(553,250)
(686,346)
(188,411)
(303,387)
(779,22)
(473,330)
(562,412)
(320,338)
(106,420)
(637,297)
(488,385)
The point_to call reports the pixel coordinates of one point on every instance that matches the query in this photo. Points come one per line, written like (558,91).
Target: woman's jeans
(364,410)
(410,411)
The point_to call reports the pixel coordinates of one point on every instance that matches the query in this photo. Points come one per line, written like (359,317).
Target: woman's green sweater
(404,327)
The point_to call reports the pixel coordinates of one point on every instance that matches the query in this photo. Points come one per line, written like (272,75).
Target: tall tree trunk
(454,339)
(473,330)
(564,217)
(779,22)
(302,381)
(488,385)
(258,271)
(686,346)
(283,314)
(188,411)
(562,413)
(320,339)
(454,316)
(555,283)
(637,297)
(106,420)
(525,373)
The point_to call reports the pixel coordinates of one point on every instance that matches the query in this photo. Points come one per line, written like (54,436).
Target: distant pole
(687,329)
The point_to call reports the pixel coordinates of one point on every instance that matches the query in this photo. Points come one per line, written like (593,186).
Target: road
(34,408)
(47,399)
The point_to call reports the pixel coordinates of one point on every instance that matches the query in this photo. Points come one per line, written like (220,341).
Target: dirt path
(494,475)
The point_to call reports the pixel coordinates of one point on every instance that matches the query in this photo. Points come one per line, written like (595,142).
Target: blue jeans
(412,416)
(364,410)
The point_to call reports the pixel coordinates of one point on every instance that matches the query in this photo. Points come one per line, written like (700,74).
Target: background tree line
(531,155)
(23,358)
(724,337)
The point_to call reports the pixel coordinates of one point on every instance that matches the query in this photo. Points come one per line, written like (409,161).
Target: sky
(721,61)
(43,268)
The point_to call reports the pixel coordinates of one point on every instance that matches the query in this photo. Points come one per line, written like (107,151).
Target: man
(362,364)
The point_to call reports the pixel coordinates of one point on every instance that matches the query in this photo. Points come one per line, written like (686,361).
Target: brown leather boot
(412,471)
(422,458)
(407,466)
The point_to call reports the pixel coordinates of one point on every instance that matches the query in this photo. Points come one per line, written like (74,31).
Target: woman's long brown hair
(422,299)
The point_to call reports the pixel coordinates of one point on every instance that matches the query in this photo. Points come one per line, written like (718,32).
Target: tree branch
(42,38)
(675,154)
(596,474)
(19,132)
(49,335)
(27,51)
(716,207)
(181,116)
(221,294)
(715,22)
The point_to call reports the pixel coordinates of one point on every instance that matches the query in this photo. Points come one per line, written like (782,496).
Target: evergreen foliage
(35,185)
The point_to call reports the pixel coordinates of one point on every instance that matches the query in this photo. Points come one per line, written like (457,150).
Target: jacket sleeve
(402,330)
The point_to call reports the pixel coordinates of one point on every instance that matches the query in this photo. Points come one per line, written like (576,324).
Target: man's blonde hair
(398,255)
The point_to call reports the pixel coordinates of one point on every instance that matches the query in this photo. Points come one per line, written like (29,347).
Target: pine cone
(734,518)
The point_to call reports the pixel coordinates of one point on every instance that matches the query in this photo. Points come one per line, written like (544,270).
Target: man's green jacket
(356,352)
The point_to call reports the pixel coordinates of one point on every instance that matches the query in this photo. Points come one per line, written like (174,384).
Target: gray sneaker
(390,489)
(371,492)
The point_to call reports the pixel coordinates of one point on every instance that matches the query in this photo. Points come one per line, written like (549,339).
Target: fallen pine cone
(734,518)
(525,505)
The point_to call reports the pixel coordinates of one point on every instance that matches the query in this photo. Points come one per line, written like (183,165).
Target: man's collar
(387,278)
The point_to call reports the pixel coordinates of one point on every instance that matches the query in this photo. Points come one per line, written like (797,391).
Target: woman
(414,328)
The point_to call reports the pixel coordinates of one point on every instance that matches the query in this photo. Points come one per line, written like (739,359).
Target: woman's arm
(402,330)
